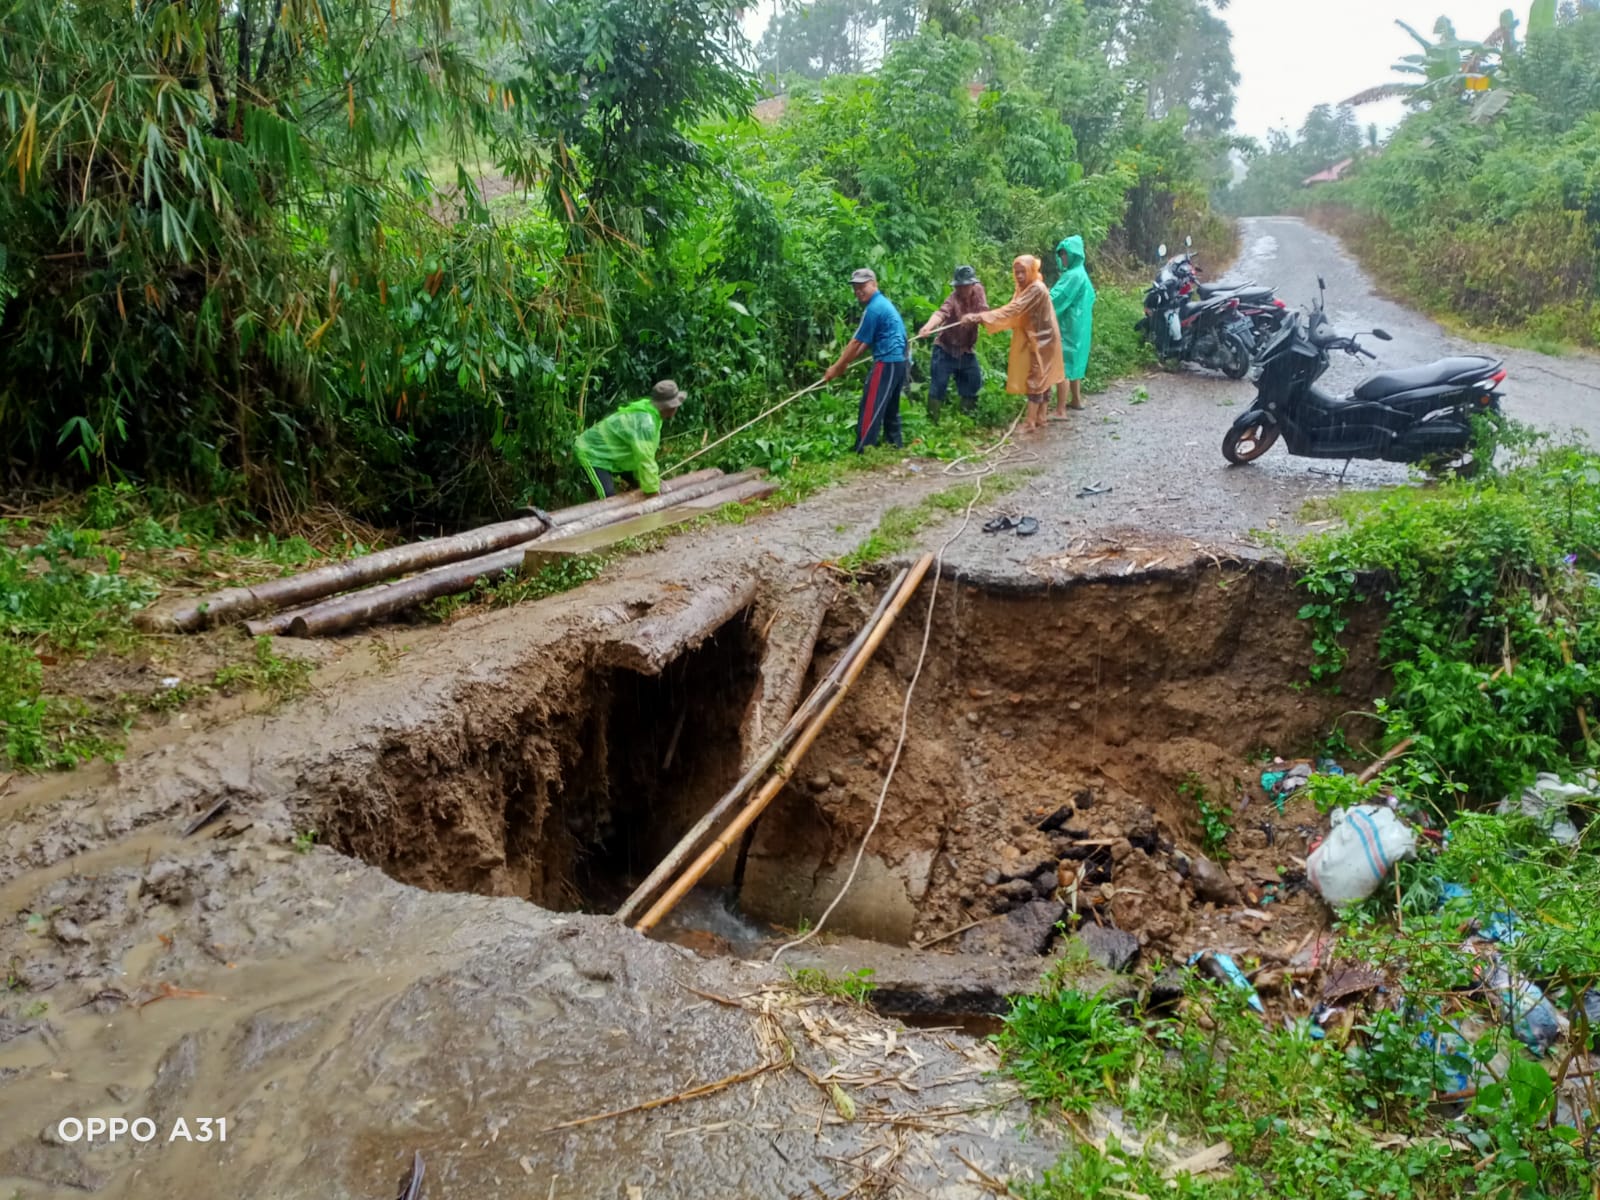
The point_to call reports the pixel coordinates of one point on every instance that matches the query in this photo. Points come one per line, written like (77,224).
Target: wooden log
(236,603)
(694,840)
(790,642)
(786,768)
(358,608)
(552,547)
(561,545)
(678,625)
(656,503)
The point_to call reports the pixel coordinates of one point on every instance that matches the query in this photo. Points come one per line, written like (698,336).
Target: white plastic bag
(1365,842)
(1546,803)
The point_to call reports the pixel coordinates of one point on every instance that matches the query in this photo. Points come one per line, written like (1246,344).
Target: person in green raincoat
(1073,296)
(625,443)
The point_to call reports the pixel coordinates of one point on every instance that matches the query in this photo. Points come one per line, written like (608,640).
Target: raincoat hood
(1032,266)
(1072,247)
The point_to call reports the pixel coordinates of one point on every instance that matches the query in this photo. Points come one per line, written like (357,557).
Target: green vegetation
(71,582)
(856,986)
(898,529)
(392,258)
(1434,1086)
(1484,205)
(1493,613)
(1214,824)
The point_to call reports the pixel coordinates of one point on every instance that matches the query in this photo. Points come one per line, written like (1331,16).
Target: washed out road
(1155,441)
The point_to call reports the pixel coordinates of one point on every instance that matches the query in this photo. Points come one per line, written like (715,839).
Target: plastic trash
(1533,1018)
(1225,969)
(1365,842)
(1546,802)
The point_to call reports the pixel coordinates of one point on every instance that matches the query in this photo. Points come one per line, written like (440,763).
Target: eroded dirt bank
(343,1017)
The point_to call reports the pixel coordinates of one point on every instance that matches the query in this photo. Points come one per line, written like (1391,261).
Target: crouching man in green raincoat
(625,443)
(1073,296)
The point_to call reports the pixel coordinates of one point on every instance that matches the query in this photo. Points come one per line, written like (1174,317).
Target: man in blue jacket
(884,333)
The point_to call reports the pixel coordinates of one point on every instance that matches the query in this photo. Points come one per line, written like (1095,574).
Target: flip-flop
(1027,527)
(1093,489)
(999,525)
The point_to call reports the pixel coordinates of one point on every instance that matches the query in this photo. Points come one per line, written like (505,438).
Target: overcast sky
(1295,54)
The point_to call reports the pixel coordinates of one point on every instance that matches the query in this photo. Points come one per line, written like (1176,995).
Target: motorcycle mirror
(1382,335)
(1161,250)
(1322,284)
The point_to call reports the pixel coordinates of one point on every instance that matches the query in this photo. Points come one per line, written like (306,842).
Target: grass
(899,527)
(856,987)
(74,574)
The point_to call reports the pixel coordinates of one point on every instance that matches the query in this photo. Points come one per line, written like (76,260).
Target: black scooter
(1415,415)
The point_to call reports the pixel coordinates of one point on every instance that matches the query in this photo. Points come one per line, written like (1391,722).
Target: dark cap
(666,394)
(863,275)
(964,276)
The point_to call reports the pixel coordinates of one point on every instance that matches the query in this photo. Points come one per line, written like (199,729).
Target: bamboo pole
(231,603)
(774,785)
(358,608)
(691,842)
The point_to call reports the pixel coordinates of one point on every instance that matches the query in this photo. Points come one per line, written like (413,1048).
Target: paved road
(1157,441)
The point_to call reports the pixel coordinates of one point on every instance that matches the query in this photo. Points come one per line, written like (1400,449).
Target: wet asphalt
(1156,441)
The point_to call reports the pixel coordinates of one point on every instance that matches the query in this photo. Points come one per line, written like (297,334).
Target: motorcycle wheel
(1240,446)
(1237,364)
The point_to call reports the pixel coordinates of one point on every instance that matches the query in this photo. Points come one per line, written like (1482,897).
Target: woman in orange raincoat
(1035,366)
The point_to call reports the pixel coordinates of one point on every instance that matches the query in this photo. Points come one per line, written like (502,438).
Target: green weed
(898,528)
(1214,824)
(267,672)
(856,986)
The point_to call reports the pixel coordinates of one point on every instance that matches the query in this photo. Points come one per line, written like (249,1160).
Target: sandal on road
(999,525)
(1027,527)
(1093,489)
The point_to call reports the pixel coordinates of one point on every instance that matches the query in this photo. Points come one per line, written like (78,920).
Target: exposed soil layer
(1052,755)
(1058,746)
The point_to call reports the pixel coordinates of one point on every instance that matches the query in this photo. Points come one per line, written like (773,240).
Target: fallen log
(359,608)
(235,603)
(565,545)
(677,625)
(785,768)
(692,841)
(790,642)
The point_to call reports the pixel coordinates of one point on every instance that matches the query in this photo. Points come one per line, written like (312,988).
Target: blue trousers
(880,405)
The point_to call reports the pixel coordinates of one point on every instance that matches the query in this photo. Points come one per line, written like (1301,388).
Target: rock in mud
(1165,991)
(1056,819)
(1026,931)
(1113,949)
(819,783)
(1017,890)
(1211,883)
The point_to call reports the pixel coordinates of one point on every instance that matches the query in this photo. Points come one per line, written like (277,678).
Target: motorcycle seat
(1465,368)
(1244,291)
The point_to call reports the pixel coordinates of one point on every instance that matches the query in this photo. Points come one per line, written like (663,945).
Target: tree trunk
(692,842)
(791,640)
(234,603)
(358,608)
(678,625)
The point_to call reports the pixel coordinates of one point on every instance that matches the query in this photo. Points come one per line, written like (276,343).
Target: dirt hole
(1058,747)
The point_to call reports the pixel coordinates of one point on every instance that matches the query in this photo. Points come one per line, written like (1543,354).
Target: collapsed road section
(372,927)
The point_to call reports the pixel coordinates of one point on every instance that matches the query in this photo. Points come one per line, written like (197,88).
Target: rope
(911,688)
(784,403)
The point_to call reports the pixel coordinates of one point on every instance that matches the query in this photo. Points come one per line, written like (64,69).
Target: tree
(610,89)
